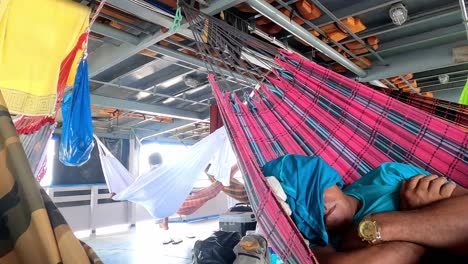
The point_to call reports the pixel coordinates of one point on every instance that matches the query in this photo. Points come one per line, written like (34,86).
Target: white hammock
(163,190)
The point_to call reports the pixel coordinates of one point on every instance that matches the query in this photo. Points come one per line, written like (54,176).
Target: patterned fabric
(32,230)
(33,45)
(451,112)
(236,190)
(310,110)
(68,69)
(198,198)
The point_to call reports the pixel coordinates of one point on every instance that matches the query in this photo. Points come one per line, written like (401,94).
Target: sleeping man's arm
(437,215)
(390,252)
(440,225)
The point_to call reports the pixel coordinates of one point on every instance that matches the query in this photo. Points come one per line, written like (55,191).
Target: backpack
(217,249)
(252,249)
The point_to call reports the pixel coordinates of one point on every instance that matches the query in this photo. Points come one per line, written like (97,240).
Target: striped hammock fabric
(32,229)
(449,111)
(310,110)
(198,198)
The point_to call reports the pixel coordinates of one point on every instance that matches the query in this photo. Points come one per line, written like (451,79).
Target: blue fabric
(304,180)
(379,189)
(77,142)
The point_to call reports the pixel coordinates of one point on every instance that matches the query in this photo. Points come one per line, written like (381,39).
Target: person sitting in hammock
(396,213)
(197,198)
(236,189)
(155,160)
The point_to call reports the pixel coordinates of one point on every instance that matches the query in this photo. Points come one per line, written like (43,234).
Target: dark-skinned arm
(436,215)
(441,225)
(389,252)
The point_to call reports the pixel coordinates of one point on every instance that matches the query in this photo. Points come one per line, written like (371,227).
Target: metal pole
(149,92)
(279,18)
(197,62)
(350,32)
(464,15)
(409,84)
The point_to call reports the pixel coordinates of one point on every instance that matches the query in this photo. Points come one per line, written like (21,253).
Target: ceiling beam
(114,33)
(177,124)
(424,84)
(285,22)
(452,70)
(103,101)
(199,63)
(440,87)
(416,19)
(147,15)
(413,40)
(355,9)
(114,135)
(109,55)
(413,61)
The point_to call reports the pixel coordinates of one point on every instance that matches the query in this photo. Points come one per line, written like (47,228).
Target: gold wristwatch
(369,231)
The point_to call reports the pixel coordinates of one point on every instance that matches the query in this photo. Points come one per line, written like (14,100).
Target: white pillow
(279,192)
(277,189)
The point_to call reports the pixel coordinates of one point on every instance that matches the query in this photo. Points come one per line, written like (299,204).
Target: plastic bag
(217,249)
(77,143)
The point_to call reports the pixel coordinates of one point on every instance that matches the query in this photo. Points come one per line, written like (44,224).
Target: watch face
(368,229)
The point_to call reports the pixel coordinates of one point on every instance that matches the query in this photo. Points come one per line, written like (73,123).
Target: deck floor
(143,243)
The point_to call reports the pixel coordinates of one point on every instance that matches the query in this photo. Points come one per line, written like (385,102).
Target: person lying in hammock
(396,213)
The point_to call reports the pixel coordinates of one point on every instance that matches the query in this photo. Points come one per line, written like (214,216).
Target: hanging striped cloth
(310,110)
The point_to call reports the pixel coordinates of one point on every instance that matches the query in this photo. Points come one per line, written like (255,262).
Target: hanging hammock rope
(306,109)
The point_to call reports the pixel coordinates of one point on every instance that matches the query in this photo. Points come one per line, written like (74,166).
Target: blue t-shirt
(379,189)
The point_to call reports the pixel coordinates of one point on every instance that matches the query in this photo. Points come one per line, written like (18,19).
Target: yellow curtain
(35,36)
(3,7)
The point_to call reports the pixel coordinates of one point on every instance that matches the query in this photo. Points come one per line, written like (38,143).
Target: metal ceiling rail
(436,75)
(202,129)
(109,55)
(416,19)
(279,18)
(180,45)
(184,123)
(116,34)
(200,63)
(444,87)
(441,33)
(408,83)
(350,32)
(355,9)
(321,32)
(437,82)
(464,15)
(160,110)
(150,92)
(420,60)
(129,25)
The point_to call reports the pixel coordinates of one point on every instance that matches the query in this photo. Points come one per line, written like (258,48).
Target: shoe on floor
(167,241)
(176,241)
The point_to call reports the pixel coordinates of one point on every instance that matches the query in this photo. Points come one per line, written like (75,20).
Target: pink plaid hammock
(310,110)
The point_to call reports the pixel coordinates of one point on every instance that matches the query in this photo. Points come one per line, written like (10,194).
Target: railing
(88,207)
